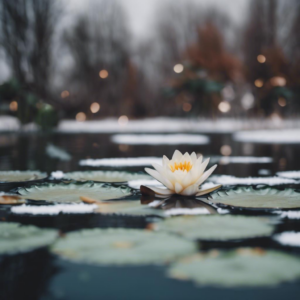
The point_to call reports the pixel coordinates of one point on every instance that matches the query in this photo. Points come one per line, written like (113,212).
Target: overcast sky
(141,12)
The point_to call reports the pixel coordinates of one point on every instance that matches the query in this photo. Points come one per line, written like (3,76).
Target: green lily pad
(133,208)
(19,176)
(217,228)
(106,176)
(72,192)
(266,198)
(22,238)
(240,268)
(122,247)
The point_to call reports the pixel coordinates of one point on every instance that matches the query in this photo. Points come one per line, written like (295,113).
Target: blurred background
(88,60)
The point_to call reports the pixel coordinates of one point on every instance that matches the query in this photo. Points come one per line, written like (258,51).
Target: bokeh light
(247,101)
(278,81)
(95,107)
(123,120)
(225,150)
(258,83)
(282,102)
(65,94)
(13,106)
(178,68)
(103,74)
(261,58)
(81,117)
(224,107)
(186,107)
(123,147)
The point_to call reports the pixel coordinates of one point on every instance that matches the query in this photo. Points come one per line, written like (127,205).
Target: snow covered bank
(283,136)
(160,139)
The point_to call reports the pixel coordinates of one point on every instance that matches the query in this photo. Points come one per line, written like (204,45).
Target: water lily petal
(166,161)
(202,167)
(188,178)
(193,158)
(190,190)
(159,177)
(186,157)
(206,191)
(177,155)
(178,187)
(206,175)
(159,191)
(200,158)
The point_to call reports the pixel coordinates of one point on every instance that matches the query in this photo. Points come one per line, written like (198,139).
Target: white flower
(182,175)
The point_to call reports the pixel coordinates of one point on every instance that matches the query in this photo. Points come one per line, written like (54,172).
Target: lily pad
(122,247)
(266,198)
(21,238)
(106,176)
(19,176)
(73,192)
(133,208)
(217,228)
(244,267)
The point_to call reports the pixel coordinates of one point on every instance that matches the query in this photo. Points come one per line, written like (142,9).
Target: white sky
(141,12)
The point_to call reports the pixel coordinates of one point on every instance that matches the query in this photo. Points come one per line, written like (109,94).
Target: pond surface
(41,275)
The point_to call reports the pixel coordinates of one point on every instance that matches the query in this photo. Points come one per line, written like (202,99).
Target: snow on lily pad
(74,192)
(217,228)
(21,238)
(289,174)
(232,180)
(19,176)
(244,267)
(106,176)
(266,198)
(122,247)
(288,238)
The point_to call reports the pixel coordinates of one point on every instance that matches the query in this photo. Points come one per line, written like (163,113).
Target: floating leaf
(239,268)
(122,247)
(71,192)
(248,197)
(20,176)
(216,227)
(20,238)
(11,199)
(106,176)
(133,208)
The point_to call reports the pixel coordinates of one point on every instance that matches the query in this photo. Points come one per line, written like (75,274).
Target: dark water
(39,275)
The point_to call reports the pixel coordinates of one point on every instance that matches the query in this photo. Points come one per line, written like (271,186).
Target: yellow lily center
(186,166)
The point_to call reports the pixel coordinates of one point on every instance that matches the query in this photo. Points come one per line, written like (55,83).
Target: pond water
(39,274)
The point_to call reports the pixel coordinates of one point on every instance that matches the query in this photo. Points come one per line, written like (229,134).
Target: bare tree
(26,31)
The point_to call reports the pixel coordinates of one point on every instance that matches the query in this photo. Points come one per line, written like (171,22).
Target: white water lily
(182,175)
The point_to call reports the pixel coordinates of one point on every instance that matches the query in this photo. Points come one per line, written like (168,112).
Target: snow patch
(232,180)
(288,238)
(186,211)
(121,162)
(291,214)
(244,160)
(283,136)
(57,175)
(160,139)
(56,152)
(289,174)
(80,208)
(136,184)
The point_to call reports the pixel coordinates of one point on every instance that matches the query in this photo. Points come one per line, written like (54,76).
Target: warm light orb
(258,83)
(224,107)
(65,94)
(282,102)
(178,68)
(278,81)
(95,107)
(13,105)
(80,117)
(261,58)
(123,147)
(103,74)
(123,120)
(186,107)
(225,150)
